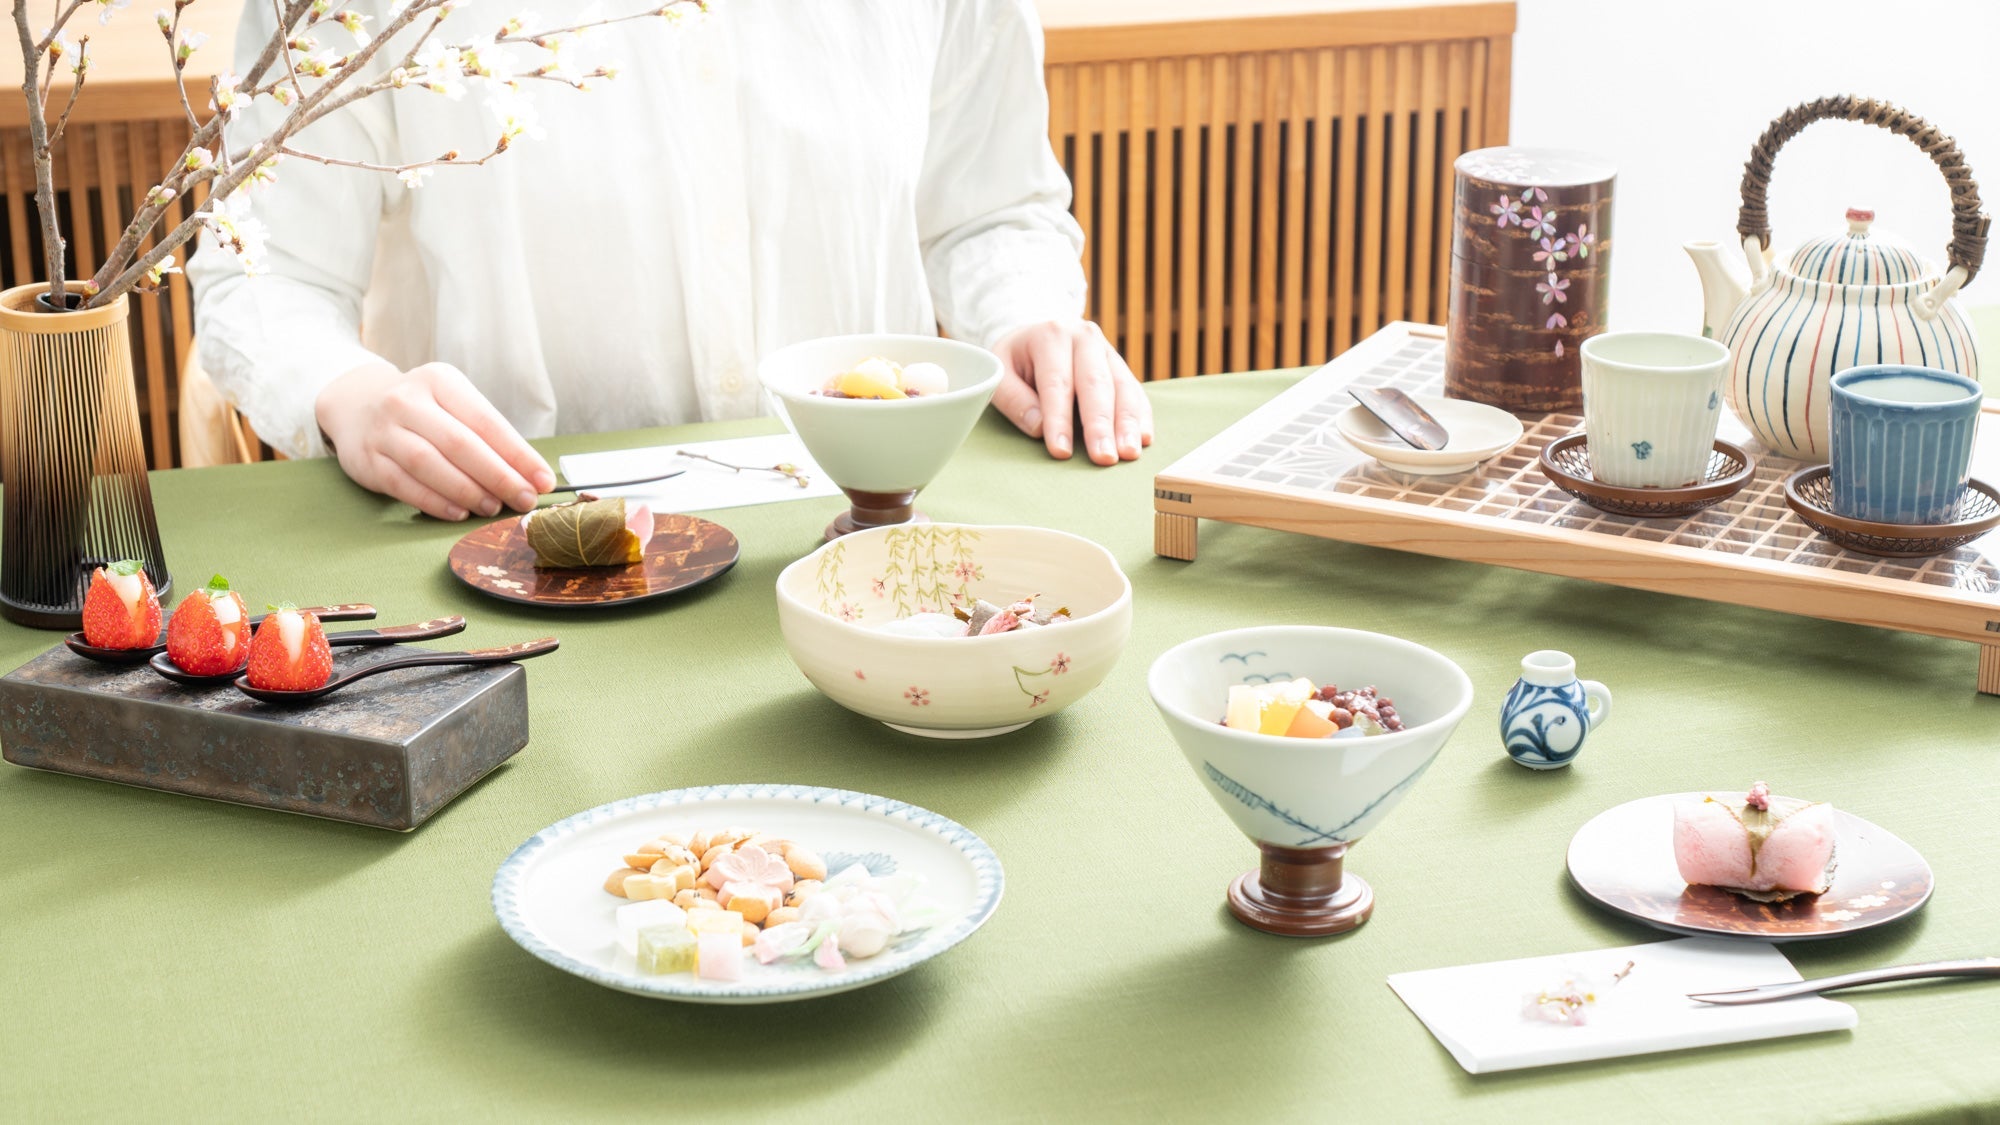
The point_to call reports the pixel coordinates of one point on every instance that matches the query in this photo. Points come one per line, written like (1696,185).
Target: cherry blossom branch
(119,271)
(291,69)
(38,137)
(452,158)
(177,60)
(512,33)
(441,71)
(76,88)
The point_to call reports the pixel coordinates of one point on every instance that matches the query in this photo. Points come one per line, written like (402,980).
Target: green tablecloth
(172,959)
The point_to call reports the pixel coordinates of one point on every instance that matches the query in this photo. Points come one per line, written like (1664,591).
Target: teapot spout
(1721,293)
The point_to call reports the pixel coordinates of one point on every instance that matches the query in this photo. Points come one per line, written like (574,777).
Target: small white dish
(1477,432)
(549,895)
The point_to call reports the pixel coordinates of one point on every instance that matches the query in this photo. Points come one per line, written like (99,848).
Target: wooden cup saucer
(1809,493)
(1566,462)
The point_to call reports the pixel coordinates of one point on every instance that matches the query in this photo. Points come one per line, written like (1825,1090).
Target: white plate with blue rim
(549,895)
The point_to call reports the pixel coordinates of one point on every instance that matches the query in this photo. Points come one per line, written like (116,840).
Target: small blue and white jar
(1550,712)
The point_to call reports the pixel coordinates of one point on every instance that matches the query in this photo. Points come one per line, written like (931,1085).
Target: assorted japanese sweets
(708,902)
(981,619)
(120,609)
(878,378)
(211,631)
(610,532)
(1759,846)
(1298,709)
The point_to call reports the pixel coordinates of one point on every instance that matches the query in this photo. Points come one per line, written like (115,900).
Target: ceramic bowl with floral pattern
(833,603)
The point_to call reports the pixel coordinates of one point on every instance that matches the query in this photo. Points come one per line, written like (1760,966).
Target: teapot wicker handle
(1968,222)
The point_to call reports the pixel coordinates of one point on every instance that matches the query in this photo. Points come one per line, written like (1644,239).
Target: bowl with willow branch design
(834,604)
(1308,793)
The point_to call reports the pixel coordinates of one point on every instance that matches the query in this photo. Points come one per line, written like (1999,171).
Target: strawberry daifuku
(210,630)
(289,652)
(120,610)
(1764,847)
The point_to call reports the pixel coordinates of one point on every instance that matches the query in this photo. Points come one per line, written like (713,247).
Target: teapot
(1849,298)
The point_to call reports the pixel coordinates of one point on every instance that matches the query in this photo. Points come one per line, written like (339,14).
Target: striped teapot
(1851,298)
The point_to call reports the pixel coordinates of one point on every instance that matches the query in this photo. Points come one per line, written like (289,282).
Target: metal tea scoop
(1403,416)
(83,648)
(394,634)
(506,655)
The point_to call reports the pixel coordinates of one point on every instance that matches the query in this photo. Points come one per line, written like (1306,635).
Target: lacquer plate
(550,897)
(685,552)
(1624,860)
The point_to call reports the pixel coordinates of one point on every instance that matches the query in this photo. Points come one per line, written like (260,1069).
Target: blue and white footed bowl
(1307,792)
(1902,442)
(1549,712)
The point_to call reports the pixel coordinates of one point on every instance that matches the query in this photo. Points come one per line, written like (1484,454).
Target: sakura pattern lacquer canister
(1530,275)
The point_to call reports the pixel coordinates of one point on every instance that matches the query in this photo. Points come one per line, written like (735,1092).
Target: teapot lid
(1857,256)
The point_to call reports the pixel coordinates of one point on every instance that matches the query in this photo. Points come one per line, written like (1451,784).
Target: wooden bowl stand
(1301,892)
(875,509)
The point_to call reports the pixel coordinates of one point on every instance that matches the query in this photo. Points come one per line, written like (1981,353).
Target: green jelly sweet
(666,949)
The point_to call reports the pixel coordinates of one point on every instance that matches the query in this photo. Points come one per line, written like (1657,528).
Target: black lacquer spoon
(507,655)
(83,648)
(394,634)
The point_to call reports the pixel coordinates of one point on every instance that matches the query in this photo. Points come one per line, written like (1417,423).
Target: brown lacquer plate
(685,552)
(1624,859)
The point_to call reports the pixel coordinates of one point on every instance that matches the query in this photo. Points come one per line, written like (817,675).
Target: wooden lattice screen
(1256,192)
(1264,192)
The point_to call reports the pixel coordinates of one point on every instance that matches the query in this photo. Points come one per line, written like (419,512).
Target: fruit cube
(666,949)
(861,383)
(1314,720)
(1282,703)
(719,956)
(637,916)
(1245,706)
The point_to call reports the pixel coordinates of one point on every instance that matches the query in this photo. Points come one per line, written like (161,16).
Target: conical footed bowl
(1302,801)
(881,453)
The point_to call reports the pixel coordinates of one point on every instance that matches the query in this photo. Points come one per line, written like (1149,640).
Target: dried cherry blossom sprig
(1567,1004)
(206,160)
(783,468)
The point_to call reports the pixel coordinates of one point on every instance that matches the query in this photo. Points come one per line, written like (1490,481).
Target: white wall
(1677,92)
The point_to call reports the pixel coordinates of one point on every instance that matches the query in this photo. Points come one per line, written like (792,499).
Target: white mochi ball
(925,379)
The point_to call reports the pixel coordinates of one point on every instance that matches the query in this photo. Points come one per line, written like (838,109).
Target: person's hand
(428,438)
(1062,370)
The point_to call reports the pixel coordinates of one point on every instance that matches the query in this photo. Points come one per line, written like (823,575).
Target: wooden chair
(211,431)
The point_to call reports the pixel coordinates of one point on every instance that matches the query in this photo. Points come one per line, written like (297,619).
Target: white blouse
(775,171)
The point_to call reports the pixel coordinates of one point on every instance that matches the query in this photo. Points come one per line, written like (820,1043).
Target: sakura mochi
(1759,846)
(610,532)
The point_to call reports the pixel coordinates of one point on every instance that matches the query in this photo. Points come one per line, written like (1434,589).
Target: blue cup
(1901,442)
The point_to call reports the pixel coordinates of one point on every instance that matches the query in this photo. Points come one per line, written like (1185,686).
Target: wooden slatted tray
(1285,466)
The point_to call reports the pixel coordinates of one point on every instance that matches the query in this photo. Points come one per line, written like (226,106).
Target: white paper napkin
(1476,1010)
(704,485)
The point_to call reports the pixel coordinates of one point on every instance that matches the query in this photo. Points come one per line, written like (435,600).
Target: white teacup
(1651,403)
